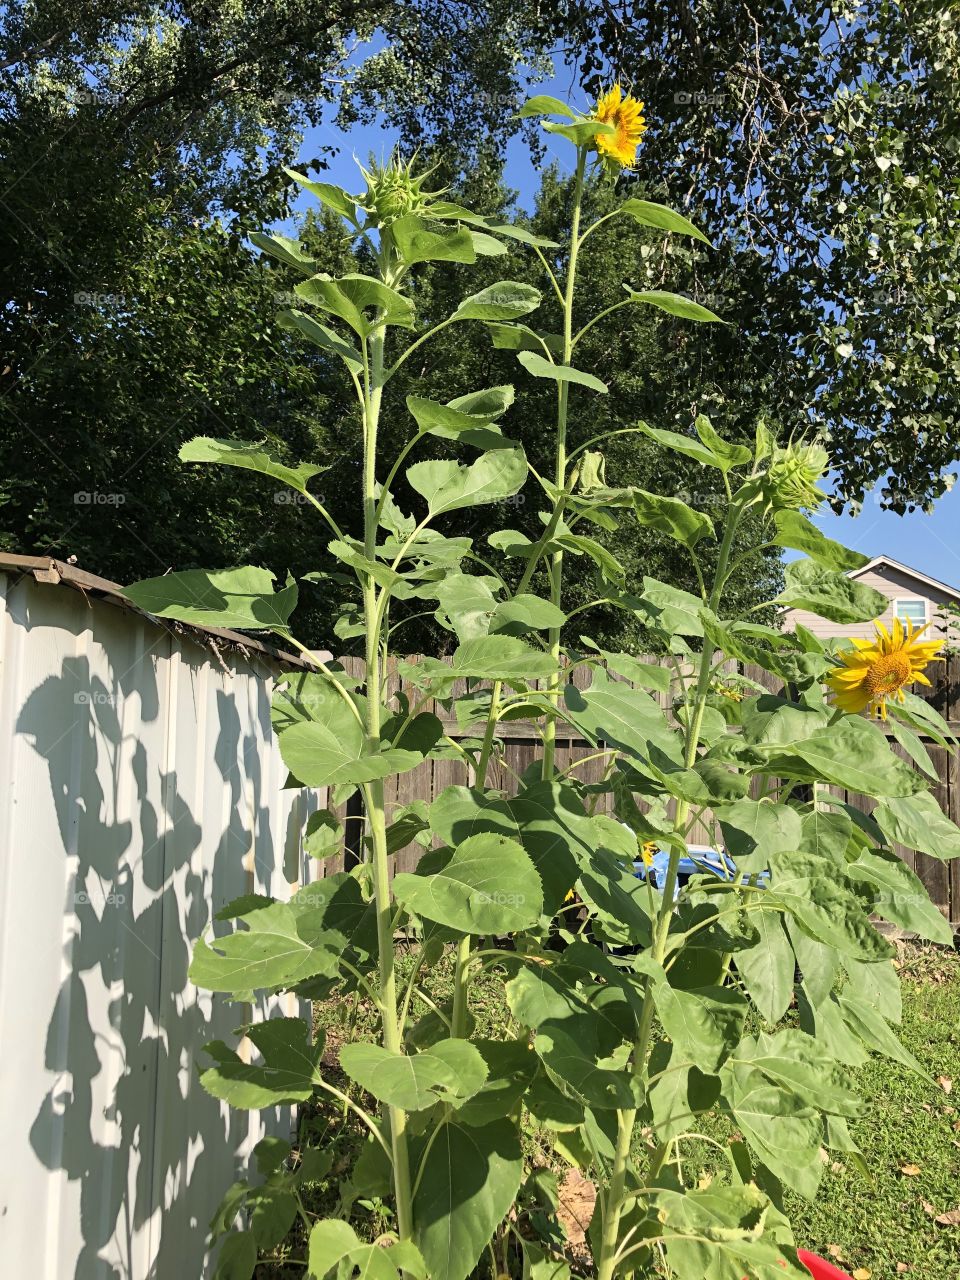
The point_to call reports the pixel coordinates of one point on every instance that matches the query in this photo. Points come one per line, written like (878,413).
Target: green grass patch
(907,1124)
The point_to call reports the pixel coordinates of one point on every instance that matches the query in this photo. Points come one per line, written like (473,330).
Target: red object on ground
(820,1268)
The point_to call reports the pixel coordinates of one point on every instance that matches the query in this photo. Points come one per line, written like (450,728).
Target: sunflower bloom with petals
(874,672)
(626,115)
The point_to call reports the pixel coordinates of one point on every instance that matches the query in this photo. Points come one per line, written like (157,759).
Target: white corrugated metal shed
(141,790)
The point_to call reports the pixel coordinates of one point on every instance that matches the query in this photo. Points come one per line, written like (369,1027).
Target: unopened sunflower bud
(393,191)
(791,479)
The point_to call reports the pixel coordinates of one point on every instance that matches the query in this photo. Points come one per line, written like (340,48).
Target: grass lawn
(910,1136)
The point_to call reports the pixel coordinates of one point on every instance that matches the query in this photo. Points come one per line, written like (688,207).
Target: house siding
(891,582)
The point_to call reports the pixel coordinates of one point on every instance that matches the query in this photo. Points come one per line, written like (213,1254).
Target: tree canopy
(823,141)
(140,146)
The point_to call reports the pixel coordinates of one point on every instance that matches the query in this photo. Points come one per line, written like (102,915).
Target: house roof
(925,578)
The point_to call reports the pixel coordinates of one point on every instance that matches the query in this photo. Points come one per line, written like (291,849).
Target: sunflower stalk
(643,956)
(613,1202)
(560,463)
(373,792)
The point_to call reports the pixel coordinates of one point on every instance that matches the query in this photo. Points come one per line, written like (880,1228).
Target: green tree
(818,154)
(111,378)
(821,143)
(137,147)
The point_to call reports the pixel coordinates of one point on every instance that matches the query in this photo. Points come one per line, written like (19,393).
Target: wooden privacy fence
(520,746)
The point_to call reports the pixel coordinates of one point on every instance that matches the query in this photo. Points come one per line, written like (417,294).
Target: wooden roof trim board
(877,561)
(59,572)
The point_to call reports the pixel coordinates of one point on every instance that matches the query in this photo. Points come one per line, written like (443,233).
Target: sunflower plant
(636,1001)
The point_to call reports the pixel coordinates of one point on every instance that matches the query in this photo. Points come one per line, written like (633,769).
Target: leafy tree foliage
(818,153)
(821,144)
(137,147)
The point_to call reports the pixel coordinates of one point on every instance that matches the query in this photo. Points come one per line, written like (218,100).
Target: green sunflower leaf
(798,533)
(232,598)
(829,594)
(448,485)
(543,105)
(919,823)
(540,367)
(286,251)
(420,241)
(251,457)
(450,1071)
(333,197)
(288,1070)
(675,304)
(650,214)
(507,300)
(469,1178)
(487,884)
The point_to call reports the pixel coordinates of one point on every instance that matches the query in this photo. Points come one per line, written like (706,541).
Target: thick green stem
(555,569)
(728,955)
(613,1200)
(458,1020)
(373,792)
(560,469)
(489,733)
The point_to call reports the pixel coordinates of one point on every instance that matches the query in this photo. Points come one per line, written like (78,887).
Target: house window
(914,611)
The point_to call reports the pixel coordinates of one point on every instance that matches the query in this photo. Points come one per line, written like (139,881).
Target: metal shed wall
(140,790)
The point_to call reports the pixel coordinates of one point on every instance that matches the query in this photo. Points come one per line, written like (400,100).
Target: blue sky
(927,542)
(930,543)
(379,139)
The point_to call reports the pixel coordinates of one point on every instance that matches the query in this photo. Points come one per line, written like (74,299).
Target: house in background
(914,597)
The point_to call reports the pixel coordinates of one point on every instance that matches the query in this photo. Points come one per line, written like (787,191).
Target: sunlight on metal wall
(140,790)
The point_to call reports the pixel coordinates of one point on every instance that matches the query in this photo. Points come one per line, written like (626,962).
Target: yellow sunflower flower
(625,113)
(648,851)
(874,672)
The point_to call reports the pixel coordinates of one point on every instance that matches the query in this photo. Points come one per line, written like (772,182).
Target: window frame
(898,600)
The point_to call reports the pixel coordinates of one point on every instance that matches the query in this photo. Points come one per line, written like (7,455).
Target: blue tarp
(700,860)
